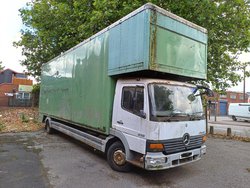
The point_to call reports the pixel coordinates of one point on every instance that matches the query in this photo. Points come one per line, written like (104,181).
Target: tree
(35,94)
(1,66)
(54,26)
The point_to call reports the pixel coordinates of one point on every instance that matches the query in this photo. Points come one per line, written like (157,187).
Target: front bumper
(159,161)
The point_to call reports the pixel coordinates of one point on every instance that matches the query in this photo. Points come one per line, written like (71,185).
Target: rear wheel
(48,128)
(234,118)
(116,157)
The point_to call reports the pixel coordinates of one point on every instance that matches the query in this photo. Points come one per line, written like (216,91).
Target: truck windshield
(170,103)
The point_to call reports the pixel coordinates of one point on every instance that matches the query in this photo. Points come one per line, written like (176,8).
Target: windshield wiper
(194,116)
(174,114)
(194,113)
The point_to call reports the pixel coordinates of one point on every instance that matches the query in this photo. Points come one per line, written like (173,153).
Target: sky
(11,24)
(245,57)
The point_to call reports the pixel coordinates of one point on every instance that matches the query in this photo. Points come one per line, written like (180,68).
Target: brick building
(15,88)
(221,101)
(248,93)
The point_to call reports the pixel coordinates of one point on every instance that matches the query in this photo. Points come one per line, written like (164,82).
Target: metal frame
(95,142)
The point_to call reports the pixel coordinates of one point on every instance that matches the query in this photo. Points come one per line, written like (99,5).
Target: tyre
(234,118)
(116,157)
(48,129)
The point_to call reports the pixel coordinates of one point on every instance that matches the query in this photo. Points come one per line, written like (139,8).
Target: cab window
(133,99)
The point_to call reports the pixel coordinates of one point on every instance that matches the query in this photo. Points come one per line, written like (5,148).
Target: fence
(14,102)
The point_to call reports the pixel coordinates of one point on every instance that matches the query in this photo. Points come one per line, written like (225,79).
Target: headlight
(156,161)
(203,150)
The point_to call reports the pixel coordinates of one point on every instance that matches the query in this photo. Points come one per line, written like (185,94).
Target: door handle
(120,122)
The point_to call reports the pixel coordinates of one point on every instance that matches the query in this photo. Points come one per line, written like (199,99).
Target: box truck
(124,91)
(239,111)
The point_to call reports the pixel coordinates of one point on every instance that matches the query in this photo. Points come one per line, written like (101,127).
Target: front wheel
(234,118)
(116,157)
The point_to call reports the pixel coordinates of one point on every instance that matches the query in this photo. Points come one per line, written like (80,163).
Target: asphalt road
(239,128)
(20,162)
(41,160)
(227,120)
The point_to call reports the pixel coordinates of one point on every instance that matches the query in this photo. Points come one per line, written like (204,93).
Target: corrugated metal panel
(153,41)
(178,27)
(76,87)
(179,49)
(128,45)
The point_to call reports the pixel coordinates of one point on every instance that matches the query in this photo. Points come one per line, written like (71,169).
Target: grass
(24,118)
(1,126)
(19,119)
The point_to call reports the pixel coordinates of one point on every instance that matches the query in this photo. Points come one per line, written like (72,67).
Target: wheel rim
(119,157)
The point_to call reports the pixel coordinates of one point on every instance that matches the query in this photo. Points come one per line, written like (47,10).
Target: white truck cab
(161,126)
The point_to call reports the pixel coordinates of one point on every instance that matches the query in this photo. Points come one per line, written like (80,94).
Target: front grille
(176,145)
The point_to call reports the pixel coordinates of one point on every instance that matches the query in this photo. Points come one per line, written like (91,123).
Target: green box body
(79,85)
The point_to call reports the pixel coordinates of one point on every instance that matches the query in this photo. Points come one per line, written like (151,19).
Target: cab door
(130,115)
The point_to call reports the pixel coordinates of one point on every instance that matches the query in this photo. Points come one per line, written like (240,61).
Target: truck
(239,111)
(126,91)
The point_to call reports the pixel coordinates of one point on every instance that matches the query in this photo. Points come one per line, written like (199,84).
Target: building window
(19,95)
(23,95)
(26,95)
(241,97)
(232,96)
(223,96)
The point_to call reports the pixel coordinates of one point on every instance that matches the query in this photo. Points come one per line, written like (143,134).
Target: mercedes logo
(186,139)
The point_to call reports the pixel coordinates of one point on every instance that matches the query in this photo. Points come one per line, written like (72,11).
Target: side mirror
(142,114)
(209,92)
(191,97)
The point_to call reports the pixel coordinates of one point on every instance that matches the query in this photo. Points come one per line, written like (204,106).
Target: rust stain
(153,34)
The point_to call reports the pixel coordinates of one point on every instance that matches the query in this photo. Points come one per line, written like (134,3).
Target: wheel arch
(46,118)
(119,136)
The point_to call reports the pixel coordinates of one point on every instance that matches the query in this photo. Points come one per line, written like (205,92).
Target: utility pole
(244,83)
(244,80)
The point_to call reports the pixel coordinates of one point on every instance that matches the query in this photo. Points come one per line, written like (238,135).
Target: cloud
(11,25)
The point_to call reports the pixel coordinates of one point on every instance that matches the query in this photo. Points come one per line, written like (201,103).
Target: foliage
(24,119)
(1,126)
(36,89)
(54,26)
(19,119)
(1,66)
(35,94)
